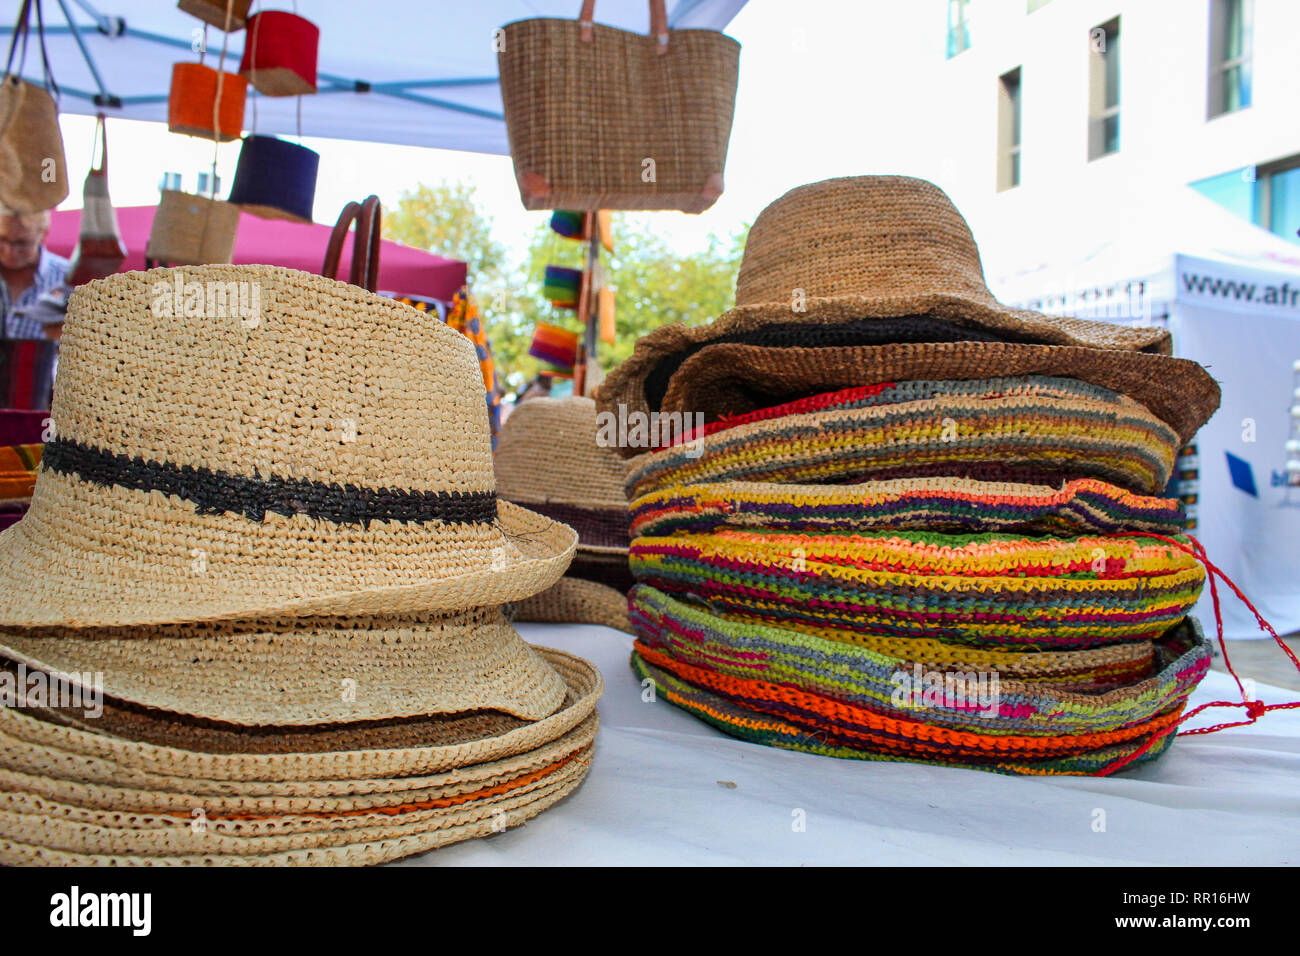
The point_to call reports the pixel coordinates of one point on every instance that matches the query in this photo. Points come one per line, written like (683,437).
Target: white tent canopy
(1106,258)
(412,72)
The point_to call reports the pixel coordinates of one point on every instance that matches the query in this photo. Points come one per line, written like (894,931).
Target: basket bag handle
(658,23)
(365,246)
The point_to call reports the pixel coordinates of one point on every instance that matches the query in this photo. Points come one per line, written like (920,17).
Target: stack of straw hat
(549,461)
(916,524)
(267,532)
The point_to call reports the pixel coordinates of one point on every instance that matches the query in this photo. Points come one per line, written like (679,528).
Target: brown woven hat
(244,442)
(297,672)
(549,461)
(876,260)
(732,379)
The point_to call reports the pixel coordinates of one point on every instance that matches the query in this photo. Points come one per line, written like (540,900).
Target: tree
(654,285)
(445,219)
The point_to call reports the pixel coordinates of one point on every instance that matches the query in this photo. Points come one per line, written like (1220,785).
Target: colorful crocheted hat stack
(933,532)
(550,462)
(254,613)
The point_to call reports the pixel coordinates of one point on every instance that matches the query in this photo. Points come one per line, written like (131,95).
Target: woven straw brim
(986,590)
(1097,666)
(729,379)
(90,756)
(87,556)
(233,808)
(42,832)
(923,504)
(1040,431)
(548,452)
(303,671)
(626,383)
(574,601)
(865,678)
(737,720)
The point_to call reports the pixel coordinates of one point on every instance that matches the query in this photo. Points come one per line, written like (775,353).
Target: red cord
(1255,709)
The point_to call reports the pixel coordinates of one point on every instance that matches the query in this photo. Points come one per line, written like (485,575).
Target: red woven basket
(280,53)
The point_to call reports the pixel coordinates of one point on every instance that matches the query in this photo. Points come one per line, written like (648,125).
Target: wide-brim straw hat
(305,671)
(549,460)
(732,379)
(1028,430)
(46,818)
(934,504)
(572,600)
(202,759)
(240,442)
(890,252)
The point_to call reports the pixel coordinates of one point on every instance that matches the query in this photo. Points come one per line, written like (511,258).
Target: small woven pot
(215,12)
(193,99)
(191,230)
(280,53)
(275,179)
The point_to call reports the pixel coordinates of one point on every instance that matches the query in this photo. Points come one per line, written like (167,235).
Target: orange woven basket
(193,96)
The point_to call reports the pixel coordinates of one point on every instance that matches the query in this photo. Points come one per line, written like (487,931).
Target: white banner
(1249,514)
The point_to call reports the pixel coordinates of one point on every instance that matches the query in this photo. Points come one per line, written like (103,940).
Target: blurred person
(29,270)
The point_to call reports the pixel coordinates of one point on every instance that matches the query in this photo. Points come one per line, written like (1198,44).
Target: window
(958,26)
(1267,195)
(170,181)
(209,184)
(1231,29)
(1103,89)
(1009,129)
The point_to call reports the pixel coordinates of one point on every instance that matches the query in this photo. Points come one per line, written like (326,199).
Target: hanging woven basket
(214,12)
(280,54)
(275,179)
(192,230)
(193,96)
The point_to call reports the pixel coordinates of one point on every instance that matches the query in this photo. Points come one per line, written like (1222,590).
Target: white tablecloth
(660,792)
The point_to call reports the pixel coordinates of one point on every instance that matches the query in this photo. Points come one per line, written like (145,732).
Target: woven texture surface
(1035,430)
(937,504)
(674,108)
(300,467)
(574,601)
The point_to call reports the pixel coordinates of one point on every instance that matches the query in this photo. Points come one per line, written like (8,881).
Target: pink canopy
(275,242)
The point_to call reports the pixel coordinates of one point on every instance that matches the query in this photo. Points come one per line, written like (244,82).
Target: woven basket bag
(192,230)
(602,118)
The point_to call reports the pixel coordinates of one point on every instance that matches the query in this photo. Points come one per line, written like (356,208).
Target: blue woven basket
(275,179)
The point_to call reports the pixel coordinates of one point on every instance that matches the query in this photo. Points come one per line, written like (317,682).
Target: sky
(815,100)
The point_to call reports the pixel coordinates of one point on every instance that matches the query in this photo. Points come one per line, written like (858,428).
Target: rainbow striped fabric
(1034,430)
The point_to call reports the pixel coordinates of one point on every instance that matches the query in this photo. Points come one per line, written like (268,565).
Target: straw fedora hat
(550,461)
(875,260)
(305,671)
(239,442)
